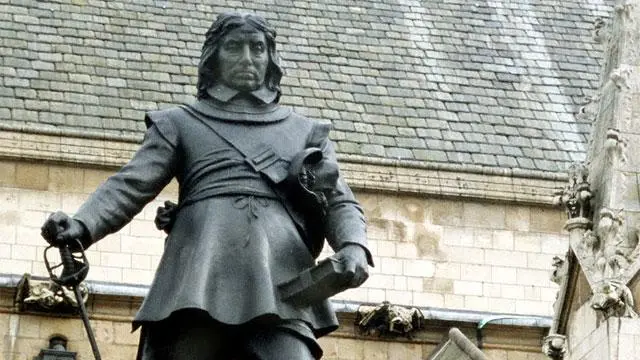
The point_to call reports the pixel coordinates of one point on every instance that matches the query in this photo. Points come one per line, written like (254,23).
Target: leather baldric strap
(259,156)
(263,159)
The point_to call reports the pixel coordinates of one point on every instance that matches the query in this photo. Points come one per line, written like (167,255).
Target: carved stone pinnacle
(576,196)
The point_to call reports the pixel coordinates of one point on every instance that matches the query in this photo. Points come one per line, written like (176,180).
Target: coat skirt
(227,255)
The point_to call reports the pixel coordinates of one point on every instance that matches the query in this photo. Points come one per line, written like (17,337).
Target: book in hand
(315,284)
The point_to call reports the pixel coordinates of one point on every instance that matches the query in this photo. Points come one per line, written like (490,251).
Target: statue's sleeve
(345,223)
(125,194)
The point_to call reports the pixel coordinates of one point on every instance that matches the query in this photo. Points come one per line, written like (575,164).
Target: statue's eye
(232,46)
(258,47)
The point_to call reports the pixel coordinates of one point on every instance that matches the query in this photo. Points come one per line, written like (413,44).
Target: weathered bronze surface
(242,225)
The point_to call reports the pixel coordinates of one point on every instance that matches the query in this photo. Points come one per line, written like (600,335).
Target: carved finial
(614,145)
(620,75)
(389,320)
(555,346)
(598,30)
(613,140)
(576,197)
(613,136)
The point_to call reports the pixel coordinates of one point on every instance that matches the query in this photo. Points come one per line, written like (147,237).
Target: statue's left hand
(354,259)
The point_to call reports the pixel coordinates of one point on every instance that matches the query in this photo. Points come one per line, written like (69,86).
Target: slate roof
(493,83)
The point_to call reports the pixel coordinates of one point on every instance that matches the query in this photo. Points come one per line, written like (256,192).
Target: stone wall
(23,335)
(593,338)
(461,254)
(428,252)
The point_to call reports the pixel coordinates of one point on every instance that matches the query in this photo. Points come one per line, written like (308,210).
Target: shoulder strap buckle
(265,158)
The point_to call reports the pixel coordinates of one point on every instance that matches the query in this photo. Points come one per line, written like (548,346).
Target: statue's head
(239,51)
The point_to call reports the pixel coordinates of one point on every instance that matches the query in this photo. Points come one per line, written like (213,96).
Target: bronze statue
(242,225)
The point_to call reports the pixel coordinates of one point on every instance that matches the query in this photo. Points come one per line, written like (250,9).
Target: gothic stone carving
(576,197)
(620,75)
(589,108)
(599,26)
(555,346)
(624,8)
(615,146)
(607,251)
(559,270)
(389,320)
(614,299)
(559,274)
(47,296)
(619,248)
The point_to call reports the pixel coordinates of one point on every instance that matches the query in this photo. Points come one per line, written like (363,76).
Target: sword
(74,270)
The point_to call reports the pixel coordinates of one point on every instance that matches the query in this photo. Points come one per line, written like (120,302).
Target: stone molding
(125,292)
(363,173)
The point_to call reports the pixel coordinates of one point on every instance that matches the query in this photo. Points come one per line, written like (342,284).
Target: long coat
(233,240)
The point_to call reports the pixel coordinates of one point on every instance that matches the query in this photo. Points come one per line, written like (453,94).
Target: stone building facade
(454,122)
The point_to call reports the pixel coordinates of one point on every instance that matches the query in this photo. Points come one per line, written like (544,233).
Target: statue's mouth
(245,74)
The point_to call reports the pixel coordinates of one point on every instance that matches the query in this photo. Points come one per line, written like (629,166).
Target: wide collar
(226,94)
(228,104)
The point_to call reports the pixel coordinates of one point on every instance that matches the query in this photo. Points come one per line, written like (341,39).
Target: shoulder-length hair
(207,69)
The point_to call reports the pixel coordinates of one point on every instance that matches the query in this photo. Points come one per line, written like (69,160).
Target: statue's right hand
(60,229)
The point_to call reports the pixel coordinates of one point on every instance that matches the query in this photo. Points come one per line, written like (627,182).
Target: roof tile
(504,77)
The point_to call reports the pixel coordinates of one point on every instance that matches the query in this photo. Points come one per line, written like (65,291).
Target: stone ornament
(389,320)
(576,197)
(619,248)
(620,75)
(606,249)
(624,8)
(614,299)
(588,108)
(559,270)
(555,346)
(615,146)
(47,296)
(599,26)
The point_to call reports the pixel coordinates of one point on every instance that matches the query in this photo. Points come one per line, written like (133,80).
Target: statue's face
(243,59)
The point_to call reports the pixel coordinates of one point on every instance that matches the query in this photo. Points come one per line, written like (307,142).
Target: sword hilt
(74,267)
(74,270)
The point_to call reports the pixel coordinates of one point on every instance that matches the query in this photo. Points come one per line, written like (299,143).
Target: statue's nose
(245,56)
